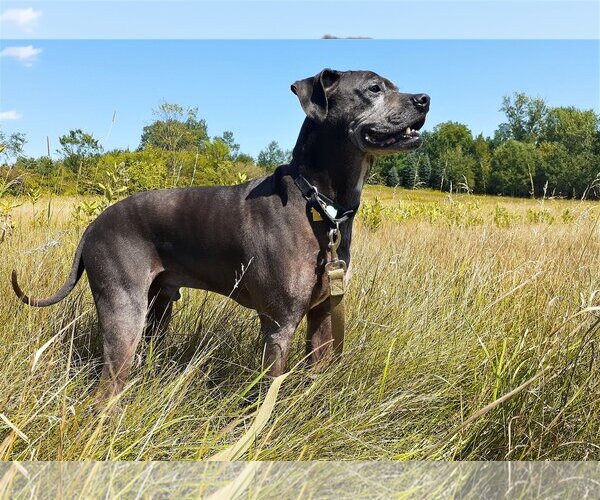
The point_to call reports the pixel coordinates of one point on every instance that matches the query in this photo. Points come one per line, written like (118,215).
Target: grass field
(472,335)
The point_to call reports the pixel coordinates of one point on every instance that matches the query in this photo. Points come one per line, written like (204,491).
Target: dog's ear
(312,93)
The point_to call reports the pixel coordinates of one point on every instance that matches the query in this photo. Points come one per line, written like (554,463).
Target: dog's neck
(331,162)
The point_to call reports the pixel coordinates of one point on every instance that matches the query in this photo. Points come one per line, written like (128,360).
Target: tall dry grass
(468,338)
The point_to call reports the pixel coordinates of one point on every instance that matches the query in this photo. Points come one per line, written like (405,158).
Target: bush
(539,216)
(372,215)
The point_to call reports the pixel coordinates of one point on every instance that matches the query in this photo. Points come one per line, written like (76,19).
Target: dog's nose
(421,101)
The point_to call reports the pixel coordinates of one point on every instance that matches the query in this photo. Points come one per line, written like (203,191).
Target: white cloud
(25,54)
(25,19)
(9,115)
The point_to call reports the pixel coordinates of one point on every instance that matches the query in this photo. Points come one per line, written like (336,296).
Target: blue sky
(243,86)
(394,19)
(117,57)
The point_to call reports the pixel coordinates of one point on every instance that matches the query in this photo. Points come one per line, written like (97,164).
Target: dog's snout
(421,101)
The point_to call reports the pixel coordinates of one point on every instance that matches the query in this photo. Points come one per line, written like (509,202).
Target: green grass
(472,335)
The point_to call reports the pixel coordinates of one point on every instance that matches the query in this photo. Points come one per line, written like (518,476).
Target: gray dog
(272,230)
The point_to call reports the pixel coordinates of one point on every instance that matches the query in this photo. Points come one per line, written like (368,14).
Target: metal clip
(335,238)
(335,268)
(335,265)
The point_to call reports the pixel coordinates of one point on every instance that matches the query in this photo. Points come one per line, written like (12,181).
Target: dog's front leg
(278,338)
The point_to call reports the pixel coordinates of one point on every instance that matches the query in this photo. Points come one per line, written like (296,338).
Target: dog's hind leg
(122,314)
(318,332)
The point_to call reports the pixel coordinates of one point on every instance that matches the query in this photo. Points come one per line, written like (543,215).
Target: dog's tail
(76,272)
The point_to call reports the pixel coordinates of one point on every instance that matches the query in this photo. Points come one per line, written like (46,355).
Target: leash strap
(336,307)
(336,271)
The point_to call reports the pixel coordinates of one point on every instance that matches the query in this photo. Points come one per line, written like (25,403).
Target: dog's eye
(375,88)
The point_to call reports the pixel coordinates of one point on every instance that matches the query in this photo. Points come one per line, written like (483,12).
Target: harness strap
(330,211)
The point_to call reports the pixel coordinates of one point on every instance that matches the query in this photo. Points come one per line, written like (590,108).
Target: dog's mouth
(407,137)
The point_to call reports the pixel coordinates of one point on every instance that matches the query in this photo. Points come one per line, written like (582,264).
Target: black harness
(328,210)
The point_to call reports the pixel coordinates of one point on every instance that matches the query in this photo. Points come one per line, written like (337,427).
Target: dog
(263,243)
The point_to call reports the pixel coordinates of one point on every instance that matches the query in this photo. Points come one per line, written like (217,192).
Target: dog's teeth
(407,131)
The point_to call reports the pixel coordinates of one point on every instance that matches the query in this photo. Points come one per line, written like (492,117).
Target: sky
(49,86)
(408,19)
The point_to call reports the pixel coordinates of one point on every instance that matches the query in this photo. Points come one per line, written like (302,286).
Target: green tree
(525,116)
(174,128)
(513,168)
(408,170)
(80,151)
(449,148)
(385,170)
(501,135)
(41,166)
(273,156)
(554,174)
(11,146)
(566,173)
(77,147)
(229,141)
(424,165)
(177,131)
(458,168)
(139,170)
(482,165)
(392,178)
(449,135)
(244,158)
(575,129)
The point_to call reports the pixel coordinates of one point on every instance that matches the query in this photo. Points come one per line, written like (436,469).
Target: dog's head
(378,118)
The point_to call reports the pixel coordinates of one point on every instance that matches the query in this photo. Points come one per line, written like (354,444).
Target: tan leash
(324,209)
(336,271)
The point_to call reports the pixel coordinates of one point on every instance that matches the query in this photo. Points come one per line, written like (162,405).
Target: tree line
(175,150)
(538,151)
